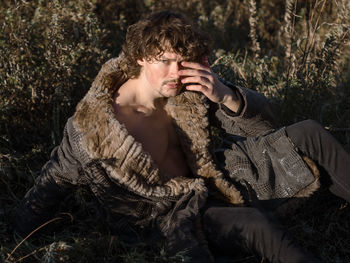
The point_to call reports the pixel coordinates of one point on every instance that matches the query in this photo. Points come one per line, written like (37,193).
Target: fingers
(196,79)
(193,72)
(199,88)
(199,77)
(196,73)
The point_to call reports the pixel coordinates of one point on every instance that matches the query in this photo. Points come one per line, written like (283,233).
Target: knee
(213,214)
(258,220)
(311,125)
(239,218)
(304,129)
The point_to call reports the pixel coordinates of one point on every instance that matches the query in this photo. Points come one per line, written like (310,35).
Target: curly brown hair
(160,32)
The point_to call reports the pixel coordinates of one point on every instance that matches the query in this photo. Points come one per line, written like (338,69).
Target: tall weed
(50,52)
(306,74)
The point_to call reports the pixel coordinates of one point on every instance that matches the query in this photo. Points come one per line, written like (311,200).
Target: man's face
(161,74)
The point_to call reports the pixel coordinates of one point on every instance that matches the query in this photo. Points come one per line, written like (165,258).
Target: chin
(170,93)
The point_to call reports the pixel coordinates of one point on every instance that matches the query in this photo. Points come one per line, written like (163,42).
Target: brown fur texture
(190,113)
(310,189)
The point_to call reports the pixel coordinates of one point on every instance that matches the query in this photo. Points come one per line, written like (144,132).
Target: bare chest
(158,137)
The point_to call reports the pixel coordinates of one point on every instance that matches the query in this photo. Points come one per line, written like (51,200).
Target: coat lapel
(189,111)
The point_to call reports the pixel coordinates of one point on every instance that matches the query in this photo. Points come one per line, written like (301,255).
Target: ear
(141,62)
(205,61)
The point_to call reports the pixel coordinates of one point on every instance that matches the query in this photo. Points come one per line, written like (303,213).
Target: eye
(165,61)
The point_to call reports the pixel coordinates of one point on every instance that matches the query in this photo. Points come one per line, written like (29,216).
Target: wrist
(227,94)
(231,100)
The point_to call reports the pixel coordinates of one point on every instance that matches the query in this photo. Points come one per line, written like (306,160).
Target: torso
(157,135)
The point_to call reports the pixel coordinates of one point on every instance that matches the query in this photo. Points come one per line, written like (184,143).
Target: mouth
(172,85)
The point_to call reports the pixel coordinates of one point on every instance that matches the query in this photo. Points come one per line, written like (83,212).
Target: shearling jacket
(97,151)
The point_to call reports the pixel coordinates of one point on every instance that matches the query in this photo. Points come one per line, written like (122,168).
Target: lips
(172,85)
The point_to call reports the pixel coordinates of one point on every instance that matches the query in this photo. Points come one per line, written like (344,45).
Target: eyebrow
(167,58)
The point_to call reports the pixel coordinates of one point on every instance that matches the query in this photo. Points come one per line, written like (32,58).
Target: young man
(140,140)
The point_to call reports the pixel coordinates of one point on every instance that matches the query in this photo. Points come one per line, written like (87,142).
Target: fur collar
(123,157)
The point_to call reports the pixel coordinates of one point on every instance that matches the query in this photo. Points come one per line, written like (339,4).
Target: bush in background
(50,53)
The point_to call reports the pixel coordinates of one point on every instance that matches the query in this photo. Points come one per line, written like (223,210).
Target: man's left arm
(255,116)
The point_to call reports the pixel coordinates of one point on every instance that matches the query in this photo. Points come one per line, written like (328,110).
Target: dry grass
(295,52)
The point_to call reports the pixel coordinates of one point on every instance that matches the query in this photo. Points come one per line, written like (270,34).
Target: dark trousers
(229,227)
(318,144)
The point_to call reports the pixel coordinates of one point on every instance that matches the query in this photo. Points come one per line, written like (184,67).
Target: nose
(174,69)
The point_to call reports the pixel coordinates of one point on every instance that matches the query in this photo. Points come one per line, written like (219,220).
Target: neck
(133,94)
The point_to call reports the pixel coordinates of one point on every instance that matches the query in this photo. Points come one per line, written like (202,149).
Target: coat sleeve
(254,118)
(58,177)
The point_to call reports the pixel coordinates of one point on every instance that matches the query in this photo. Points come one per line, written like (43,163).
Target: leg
(318,144)
(226,227)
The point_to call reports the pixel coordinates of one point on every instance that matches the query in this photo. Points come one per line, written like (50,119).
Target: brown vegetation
(295,52)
